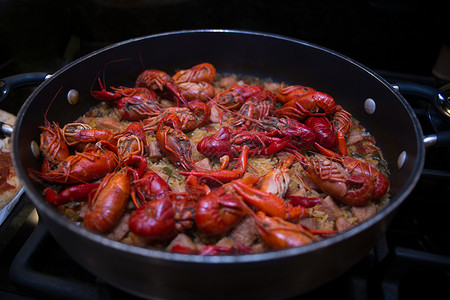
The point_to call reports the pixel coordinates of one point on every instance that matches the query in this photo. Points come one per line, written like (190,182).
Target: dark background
(402,36)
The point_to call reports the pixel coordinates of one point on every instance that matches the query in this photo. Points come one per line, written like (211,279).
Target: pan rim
(239,259)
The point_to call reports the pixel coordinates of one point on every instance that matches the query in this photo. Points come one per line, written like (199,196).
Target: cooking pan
(273,275)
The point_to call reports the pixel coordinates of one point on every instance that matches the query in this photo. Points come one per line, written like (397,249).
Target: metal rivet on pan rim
(401,159)
(73,96)
(370,106)
(35,149)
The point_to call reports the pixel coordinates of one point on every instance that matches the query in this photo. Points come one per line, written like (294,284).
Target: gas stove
(411,259)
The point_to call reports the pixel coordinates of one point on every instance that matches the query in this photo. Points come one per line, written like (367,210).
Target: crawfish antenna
(258,122)
(51,102)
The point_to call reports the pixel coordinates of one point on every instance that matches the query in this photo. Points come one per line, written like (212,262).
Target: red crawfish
(52,143)
(197,91)
(359,166)
(162,84)
(195,83)
(269,203)
(154,219)
(204,72)
(301,135)
(278,233)
(289,93)
(324,130)
(133,109)
(276,181)
(333,178)
(114,97)
(221,209)
(174,143)
(132,103)
(281,234)
(260,143)
(237,95)
(107,204)
(71,129)
(95,135)
(217,144)
(78,192)
(342,121)
(161,219)
(193,115)
(150,186)
(80,135)
(230,143)
(91,164)
(222,175)
(131,141)
(195,186)
(314,103)
(257,107)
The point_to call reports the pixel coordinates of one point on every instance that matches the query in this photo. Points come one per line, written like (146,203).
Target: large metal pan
(278,274)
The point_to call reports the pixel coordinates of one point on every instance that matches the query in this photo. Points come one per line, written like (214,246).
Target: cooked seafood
(213,164)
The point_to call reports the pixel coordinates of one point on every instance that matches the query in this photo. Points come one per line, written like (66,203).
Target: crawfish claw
(269,203)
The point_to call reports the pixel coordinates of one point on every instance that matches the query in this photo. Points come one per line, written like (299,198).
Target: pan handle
(440,139)
(440,103)
(6,130)
(430,94)
(8,84)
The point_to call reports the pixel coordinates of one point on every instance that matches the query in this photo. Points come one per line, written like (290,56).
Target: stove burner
(404,277)
(43,268)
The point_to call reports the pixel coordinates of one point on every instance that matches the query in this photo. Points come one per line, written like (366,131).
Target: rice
(299,182)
